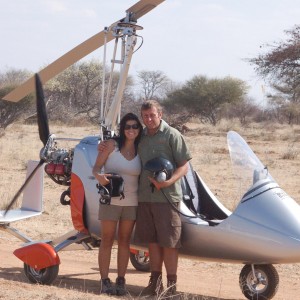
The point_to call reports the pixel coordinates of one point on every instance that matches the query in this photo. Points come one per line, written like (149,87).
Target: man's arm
(107,145)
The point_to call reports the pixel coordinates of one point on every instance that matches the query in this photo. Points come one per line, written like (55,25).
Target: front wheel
(140,261)
(43,276)
(261,287)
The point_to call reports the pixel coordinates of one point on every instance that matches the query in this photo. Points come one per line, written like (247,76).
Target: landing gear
(140,260)
(261,286)
(43,276)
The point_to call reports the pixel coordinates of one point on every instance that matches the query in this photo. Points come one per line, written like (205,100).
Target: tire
(140,261)
(265,288)
(43,276)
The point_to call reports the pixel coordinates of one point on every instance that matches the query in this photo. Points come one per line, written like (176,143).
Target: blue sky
(181,38)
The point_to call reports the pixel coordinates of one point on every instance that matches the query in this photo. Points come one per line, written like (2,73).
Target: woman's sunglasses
(133,126)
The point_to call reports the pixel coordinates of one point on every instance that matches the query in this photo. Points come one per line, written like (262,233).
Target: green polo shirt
(168,143)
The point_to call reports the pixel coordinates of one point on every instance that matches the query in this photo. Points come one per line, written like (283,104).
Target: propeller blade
(12,202)
(77,53)
(42,118)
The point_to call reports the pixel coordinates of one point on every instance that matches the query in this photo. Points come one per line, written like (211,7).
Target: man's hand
(179,172)
(160,185)
(108,145)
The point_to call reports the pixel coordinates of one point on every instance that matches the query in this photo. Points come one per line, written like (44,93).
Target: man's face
(151,118)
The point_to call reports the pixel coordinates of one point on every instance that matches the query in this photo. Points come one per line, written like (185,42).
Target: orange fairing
(135,251)
(38,256)
(77,203)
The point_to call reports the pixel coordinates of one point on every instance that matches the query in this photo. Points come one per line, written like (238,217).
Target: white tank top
(130,171)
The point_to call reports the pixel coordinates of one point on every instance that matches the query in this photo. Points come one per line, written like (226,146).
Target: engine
(59,165)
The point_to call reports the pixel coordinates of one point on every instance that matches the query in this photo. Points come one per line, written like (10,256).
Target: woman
(124,161)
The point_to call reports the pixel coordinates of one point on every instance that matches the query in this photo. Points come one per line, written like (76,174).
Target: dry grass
(277,146)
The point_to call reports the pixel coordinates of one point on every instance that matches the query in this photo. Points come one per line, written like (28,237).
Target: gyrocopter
(263,230)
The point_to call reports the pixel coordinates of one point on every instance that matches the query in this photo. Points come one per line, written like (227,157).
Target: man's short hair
(148,104)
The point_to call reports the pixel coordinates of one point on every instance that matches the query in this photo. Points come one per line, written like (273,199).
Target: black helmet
(115,188)
(161,168)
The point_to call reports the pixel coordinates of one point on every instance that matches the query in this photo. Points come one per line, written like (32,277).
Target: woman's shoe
(107,287)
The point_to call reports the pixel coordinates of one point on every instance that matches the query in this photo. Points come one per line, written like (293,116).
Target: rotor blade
(59,65)
(77,53)
(42,118)
(143,6)
(23,187)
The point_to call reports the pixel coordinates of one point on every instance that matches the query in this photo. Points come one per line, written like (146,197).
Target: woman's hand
(102,178)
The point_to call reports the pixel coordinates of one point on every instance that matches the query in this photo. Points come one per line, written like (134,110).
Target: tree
(244,110)
(11,111)
(283,110)
(281,67)
(77,91)
(153,84)
(202,97)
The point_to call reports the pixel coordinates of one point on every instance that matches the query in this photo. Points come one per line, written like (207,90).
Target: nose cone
(278,217)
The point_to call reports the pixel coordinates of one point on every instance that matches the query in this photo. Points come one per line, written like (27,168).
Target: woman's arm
(100,161)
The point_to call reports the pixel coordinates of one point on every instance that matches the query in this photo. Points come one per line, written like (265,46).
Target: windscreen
(247,168)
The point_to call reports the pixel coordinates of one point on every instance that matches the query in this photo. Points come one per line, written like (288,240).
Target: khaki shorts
(116,212)
(158,223)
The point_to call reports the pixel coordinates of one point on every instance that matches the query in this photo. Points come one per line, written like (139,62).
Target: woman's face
(131,130)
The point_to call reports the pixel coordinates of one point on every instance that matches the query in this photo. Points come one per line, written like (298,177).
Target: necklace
(128,153)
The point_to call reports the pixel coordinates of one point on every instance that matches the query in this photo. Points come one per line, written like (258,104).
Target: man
(158,224)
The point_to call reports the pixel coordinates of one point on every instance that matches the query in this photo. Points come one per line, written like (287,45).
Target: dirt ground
(78,276)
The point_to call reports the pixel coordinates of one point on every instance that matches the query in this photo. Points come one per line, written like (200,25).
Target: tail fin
(32,203)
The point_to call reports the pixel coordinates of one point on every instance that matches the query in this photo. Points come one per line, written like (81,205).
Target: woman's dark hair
(121,138)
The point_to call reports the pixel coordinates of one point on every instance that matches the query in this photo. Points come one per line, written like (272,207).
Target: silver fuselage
(264,227)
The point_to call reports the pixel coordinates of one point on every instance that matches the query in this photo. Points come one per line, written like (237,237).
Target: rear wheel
(261,287)
(140,261)
(43,276)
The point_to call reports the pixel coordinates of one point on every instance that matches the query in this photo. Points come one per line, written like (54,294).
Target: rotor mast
(125,30)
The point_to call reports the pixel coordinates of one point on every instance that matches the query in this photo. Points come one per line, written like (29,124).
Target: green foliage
(204,97)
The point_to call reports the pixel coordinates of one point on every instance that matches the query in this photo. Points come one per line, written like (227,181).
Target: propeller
(137,10)
(42,118)
(43,126)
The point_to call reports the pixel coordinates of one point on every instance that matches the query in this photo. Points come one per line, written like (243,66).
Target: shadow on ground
(74,282)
